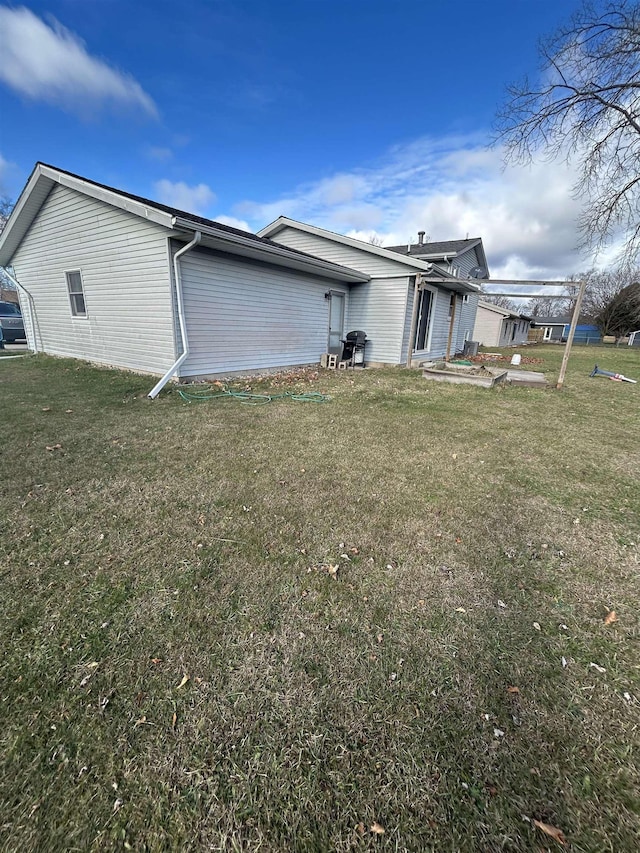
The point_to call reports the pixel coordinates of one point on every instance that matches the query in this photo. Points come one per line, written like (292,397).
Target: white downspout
(183,327)
(31,304)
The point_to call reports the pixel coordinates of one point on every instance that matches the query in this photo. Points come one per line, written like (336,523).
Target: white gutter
(183,327)
(32,307)
(279,251)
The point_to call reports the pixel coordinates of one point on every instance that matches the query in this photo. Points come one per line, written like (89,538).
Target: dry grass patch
(170,540)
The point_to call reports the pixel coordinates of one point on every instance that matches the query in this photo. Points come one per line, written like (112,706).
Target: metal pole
(572,331)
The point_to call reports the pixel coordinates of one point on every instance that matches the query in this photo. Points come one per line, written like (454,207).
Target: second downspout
(32,307)
(183,326)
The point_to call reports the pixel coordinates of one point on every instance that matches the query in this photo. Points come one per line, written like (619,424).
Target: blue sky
(364,117)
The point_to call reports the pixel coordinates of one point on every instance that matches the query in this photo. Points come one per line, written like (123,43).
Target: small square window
(76,294)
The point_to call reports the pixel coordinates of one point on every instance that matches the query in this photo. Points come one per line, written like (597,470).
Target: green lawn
(183,668)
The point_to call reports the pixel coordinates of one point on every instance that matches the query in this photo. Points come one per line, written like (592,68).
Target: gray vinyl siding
(522,332)
(408,317)
(331,250)
(440,333)
(465,262)
(243,316)
(467,320)
(379,309)
(124,264)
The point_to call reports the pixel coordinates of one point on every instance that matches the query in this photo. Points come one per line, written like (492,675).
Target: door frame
(336,294)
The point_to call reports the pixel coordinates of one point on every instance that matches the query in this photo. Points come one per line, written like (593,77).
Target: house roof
(215,234)
(448,248)
(498,309)
(419,264)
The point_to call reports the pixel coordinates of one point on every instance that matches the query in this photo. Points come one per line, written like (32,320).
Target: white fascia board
(22,215)
(284,222)
(282,255)
(460,285)
(41,182)
(145,211)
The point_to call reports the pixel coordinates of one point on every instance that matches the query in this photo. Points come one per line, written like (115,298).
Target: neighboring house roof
(215,234)
(551,321)
(413,263)
(489,306)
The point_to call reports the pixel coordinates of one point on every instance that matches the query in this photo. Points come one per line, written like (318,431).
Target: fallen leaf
(379,638)
(536,625)
(610,617)
(564,662)
(498,733)
(458,540)
(460,610)
(552,831)
(596,667)
(377,828)
(46,408)
(52,447)
(513,690)
(174,720)
(360,829)
(501,603)
(140,722)
(156,660)
(185,678)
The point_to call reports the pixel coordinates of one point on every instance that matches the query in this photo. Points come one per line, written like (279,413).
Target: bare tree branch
(586,108)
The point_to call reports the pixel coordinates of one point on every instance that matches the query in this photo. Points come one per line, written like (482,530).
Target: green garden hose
(252,399)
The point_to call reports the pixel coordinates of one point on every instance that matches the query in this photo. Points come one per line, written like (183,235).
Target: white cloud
(232,221)
(448,187)
(195,199)
(50,63)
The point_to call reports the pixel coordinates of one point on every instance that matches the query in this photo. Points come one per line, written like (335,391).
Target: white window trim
(465,298)
(548,331)
(75,316)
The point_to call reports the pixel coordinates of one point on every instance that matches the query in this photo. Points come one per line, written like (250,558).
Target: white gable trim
(284,222)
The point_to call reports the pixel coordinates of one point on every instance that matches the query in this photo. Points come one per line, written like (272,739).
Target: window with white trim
(76,294)
(465,299)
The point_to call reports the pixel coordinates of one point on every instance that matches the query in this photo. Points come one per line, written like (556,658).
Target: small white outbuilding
(500,327)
